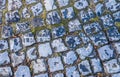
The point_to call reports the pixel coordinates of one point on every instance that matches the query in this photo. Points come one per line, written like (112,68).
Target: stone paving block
(58,45)
(55,64)
(72,41)
(117,47)
(31,53)
(72,72)
(59,75)
(50,5)
(2,4)
(42,75)
(99,9)
(22,27)
(38,66)
(30,1)
(84,67)
(99,39)
(17,58)
(6,72)
(53,17)
(96,65)
(37,22)
(116,16)
(28,39)
(63,2)
(70,57)
(92,28)
(116,75)
(84,37)
(26,13)
(22,71)
(106,52)
(58,31)
(14,4)
(107,21)
(4,58)
(7,31)
(111,66)
(81,4)
(113,34)
(68,13)
(15,44)
(44,50)
(3,44)
(74,25)
(37,9)
(43,35)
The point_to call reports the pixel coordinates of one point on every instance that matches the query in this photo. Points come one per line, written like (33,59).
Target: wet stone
(68,13)
(32,53)
(43,35)
(111,66)
(106,52)
(39,66)
(15,44)
(22,71)
(63,2)
(53,18)
(7,31)
(74,25)
(58,45)
(3,44)
(72,41)
(58,32)
(6,72)
(70,57)
(4,58)
(28,39)
(37,9)
(44,50)
(17,58)
(37,22)
(84,67)
(42,75)
(55,64)
(86,51)
(72,72)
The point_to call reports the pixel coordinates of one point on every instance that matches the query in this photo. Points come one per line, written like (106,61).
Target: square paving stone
(4,58)
(99,39)
(6,72)
(68,13)
(17,58)
(106,52)
(28,39)
(63,2)
(72,72)
(37,9)
(113,34)
(58,45)
(3,44)
(84,37)
(111,66)
(58,31)
(50,5)
(85,51)
(43,35)
(38,66)
(7,31)
(22,71)
(96,65)
(59,75)
(42,75)
(84,67)
(92,28)
(117,47)
(53,17)
(31,53)
(107,21)
(74,25)
(81,4)
(55,64)
(44,50)
(70,57)
(72,41)
(15,44)
(116,16)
